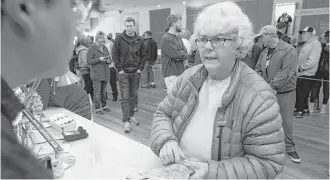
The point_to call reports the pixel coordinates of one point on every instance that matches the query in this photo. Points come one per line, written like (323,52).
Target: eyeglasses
(215,42)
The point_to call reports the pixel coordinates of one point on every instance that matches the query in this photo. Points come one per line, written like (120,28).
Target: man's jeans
(113,82)
(287,102)
(129,86)
(147,74)
(100,93)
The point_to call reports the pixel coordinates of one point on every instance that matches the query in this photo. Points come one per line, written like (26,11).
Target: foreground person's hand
(201,169)
(171,153)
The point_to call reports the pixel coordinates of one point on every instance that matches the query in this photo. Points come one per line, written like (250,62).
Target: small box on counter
(62,123)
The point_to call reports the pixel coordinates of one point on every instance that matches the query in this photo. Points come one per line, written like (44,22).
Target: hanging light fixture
(67,79)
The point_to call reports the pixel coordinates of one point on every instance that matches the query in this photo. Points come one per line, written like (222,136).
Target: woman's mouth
(210,58)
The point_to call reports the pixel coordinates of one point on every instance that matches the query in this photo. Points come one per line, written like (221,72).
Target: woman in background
(84,68)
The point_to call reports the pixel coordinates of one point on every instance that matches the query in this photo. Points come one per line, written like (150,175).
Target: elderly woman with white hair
(221,117)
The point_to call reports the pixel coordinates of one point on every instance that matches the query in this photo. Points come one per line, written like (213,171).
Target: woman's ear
(18,13)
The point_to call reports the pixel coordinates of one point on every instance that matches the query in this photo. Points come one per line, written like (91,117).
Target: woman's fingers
(170,155)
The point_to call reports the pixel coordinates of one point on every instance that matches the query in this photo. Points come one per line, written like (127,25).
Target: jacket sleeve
(162,129)
(83,57)
(255,55)
(143,54)
(258,66)
(313,56)
(90,57)
(289,67)
(169,48)
(263,144)
(116,55)
(147,45)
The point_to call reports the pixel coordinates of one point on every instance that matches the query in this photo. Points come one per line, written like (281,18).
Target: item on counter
(61,123)
(178,171)
(174,171)
(81,133)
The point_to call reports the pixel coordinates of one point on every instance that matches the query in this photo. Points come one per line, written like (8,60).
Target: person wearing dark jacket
(173,52)
(151,50)
(98,58)
(252,57)
(322,73)
(36,42)
(129,56)
(281,29)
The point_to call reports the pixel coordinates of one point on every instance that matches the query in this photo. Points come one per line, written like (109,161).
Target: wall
(259,12)
(144,19)
(315,21)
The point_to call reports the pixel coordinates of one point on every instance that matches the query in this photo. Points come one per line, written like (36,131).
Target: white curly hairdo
(227,18)
(99,34)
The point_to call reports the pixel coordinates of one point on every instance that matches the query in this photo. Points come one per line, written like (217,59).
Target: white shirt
(187,45)
(196,142)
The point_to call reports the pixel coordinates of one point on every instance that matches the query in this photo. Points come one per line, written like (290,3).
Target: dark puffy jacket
(323,69)
(151,50)
(129,53)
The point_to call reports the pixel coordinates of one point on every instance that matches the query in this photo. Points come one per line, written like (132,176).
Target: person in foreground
(27,54)
(221,116)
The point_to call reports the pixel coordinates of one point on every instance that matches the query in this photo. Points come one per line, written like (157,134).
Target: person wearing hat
(173,51)
(282,28)
(308,60)
(151,49)
(277,64)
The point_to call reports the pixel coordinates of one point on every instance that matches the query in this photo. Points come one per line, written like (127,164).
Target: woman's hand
(171,153)
(201,169)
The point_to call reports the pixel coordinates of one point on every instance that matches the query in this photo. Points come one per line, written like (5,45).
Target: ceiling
(122,4)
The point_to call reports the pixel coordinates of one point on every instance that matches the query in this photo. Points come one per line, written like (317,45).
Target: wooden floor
(311,134)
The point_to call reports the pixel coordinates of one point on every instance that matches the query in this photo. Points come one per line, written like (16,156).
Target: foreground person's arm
(263,144)
(162,125)
(16,161)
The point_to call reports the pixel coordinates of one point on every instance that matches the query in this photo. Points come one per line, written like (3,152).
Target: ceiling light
(183,2)
(158,6)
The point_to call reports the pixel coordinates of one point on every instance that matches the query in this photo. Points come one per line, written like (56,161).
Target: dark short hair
(149,33)
(326,34)
(130,19)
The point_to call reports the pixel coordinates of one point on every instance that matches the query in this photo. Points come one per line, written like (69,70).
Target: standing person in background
(252,57)
(322,73)
(84,68)
(173,52)
(91,40)
(41,35)
(277,64)
(148,79)
(129,55)
(98,58)
(113,71)
(308,60)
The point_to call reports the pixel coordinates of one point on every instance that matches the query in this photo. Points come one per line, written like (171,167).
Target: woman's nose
(208,45)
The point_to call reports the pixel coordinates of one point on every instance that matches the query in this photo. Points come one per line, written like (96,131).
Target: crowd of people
(231,95)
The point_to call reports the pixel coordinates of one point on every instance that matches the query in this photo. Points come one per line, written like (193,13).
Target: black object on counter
(81,133)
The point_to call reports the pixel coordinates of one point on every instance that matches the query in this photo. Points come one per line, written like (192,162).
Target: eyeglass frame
(223,40)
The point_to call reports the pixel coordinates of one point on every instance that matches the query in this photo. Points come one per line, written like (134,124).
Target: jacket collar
(198,78)
(134,38)
(97,48)
(312,39)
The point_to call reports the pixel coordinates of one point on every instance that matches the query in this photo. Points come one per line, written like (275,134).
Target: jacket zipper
(220,137)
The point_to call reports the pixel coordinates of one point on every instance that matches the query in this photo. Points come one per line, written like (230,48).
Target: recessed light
(183,2)
(158,6)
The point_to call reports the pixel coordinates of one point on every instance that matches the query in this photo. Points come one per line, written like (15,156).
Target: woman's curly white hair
(226,18)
